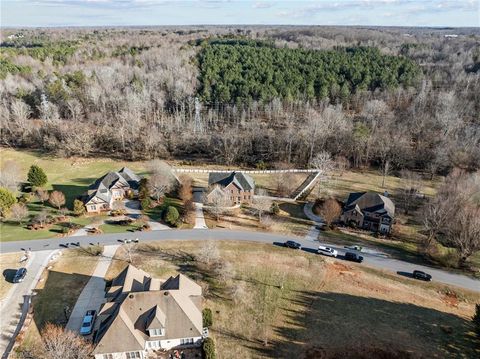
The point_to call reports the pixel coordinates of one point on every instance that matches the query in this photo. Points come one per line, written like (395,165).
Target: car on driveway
(354,257)
(327,251)
(292,244)
(354,248)
(88,321)
(20,275)
(418,274)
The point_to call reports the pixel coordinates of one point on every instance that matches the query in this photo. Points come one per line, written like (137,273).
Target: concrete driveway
(133,211)
(93,294)
(199,216)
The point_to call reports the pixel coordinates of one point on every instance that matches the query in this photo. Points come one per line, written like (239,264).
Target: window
(155,344)
(94,208)
(155,332)
(186,341)
(107,356)
(133,355)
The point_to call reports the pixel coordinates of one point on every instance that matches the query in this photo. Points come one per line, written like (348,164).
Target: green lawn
(115,228)
(70,175)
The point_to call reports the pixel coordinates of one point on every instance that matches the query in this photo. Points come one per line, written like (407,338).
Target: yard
(278,303)
(58,290)
(8,263)
(290,220)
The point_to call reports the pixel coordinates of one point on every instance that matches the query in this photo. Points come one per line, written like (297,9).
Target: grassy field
(367,180)
(279,303)
(290,220)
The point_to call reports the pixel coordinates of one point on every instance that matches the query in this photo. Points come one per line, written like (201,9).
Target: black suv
(292,244)
(418,274)
(20,275)
(354,257)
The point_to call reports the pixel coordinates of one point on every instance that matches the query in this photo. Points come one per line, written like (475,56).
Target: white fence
(199,170)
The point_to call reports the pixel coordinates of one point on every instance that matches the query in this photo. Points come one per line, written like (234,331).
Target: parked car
(354,257)
(135,240)
(355,248)
(418,274)
(88,321)
(292,244)
(327,251)
(20,275)
(127,240)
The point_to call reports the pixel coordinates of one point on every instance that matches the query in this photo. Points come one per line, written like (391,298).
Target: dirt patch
(451,299)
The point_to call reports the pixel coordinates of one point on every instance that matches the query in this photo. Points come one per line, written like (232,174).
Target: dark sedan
(354,257)
(293,244)
(418,274)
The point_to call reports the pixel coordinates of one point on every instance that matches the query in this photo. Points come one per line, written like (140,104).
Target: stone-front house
(370,211)
(237,186)
(143,315)
(111,187)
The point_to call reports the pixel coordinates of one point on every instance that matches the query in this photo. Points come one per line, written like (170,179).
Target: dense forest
(275,96)
(241,72)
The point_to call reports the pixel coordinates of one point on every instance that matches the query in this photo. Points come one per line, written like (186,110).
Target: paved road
(10,307)
(373,259)
(93,294)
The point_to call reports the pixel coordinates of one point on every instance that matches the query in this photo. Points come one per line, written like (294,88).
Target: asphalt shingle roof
(242,180)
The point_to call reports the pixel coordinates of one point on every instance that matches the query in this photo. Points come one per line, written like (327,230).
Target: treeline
(130,93)
(242,71)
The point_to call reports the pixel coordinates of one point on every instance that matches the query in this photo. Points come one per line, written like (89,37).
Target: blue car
(88,321)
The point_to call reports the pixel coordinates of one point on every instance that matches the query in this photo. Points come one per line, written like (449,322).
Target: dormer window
(156,332)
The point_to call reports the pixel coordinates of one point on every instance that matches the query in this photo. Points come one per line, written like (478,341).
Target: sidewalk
(93,295)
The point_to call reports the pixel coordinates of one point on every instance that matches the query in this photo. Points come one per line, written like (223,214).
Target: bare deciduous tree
(63,344)
(57,199)
(10,176)
(330,211)
(19,212)
(42,195)
(161,178)
(261,202)
(216,202)
(209,252)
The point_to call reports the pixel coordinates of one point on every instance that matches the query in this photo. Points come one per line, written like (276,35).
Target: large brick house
(111,187)
(237,187)
(370,211)
(143,315)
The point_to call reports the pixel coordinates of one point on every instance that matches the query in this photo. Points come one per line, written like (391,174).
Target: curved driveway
(374,260)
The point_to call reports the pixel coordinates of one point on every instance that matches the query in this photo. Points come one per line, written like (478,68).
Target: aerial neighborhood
(239,191)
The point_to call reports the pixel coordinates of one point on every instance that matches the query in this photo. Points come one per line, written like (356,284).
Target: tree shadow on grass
(337,323)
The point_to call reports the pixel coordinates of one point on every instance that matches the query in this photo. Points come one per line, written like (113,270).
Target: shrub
(209,348)
(26,197)
(207,318)
(36,176)
(275,209)
(78,207)
(7,200)
(171,215)
(146,203)
(476,319)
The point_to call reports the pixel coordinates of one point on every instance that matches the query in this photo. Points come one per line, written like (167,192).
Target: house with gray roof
(237,187)
(144,315)
(370,211)
(111,187)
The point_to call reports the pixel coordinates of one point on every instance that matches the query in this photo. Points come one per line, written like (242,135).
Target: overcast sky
(461,13)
